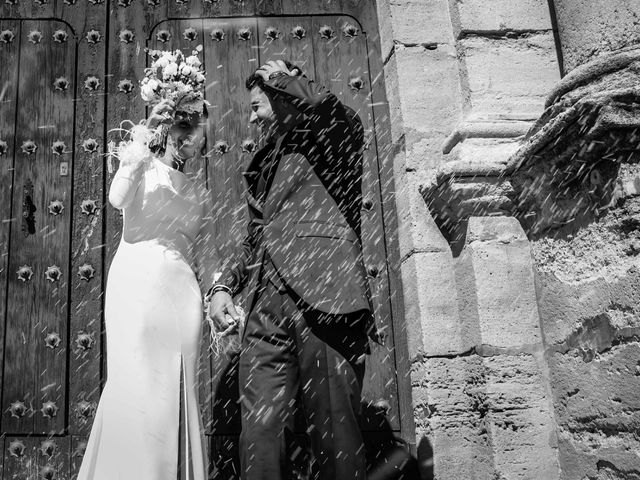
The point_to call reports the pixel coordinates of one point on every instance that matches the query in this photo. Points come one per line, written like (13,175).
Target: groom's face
(262,112)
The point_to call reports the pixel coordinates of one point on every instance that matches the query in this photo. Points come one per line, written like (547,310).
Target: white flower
(170,71)
(193,61)
(149,90)
(162,62)
(185,70)
(147,93)
(199,77)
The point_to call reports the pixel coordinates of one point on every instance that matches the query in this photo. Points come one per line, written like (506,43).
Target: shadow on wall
(388,457)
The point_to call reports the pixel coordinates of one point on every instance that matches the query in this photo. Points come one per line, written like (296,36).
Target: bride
(148,423)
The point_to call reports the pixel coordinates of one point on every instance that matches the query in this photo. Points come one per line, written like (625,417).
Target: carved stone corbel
(580,158)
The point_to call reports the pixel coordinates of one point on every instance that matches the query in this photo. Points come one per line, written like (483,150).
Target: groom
(309,309)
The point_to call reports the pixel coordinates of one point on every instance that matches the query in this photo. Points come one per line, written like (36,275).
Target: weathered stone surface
(569,170)
(450,406)
(487,150)
(431,304)
(503,269)
(421,21)
(520,415)
(590,313)
(598,412)
(509,77)
(430,95)
(395,104)
(588,28)
(605,249)
(503,15)
(486,418)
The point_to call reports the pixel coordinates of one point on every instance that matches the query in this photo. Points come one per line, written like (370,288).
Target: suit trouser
(290,352)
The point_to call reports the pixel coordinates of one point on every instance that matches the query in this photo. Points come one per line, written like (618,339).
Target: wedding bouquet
(176,77)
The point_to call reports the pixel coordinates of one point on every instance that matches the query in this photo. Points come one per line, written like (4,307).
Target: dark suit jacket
(308,221)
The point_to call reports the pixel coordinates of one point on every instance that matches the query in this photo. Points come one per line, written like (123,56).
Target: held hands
(276,66)
(221,307)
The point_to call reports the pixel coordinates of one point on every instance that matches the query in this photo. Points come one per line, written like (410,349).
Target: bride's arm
(134,156)
(125,184)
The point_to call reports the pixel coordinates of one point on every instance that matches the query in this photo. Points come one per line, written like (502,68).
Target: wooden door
(69,80)
(51,128)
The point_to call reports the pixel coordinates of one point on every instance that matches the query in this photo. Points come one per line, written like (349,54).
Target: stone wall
(524,349)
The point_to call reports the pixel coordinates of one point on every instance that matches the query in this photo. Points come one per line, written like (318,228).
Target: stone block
(451,416)
(430,95)
(520,416)
(588,28)
(391,80)
(504,283)
(385,28)
(598,412)
(509,77)
(503,15)
(430,296)
(487,150)
(421,21)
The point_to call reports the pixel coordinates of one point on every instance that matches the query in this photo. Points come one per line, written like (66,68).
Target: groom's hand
(276,66)
(221,305)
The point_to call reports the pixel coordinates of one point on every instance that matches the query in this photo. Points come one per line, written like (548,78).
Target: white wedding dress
(148,422)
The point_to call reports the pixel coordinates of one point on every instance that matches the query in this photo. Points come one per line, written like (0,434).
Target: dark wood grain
(40,455)
(287,46)
(28,10)
(9,52)
(387,152)
(229,62)
(33,372)
(77,446)
(87,241)
(339,61)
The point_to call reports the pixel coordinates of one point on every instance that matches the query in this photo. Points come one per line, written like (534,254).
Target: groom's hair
(256,80)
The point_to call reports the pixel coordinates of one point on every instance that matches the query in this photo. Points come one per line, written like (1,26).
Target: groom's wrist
(219,287)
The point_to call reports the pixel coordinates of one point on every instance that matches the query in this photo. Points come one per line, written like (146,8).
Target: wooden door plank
(227,8)
(37,309)
(268,7)
(86,269)
(231,55)
(341,65)
(387,152)
(287,38)
(28,458)
(28,9)
(229,62)
(9,52)
(185,9)
(318,7)
(20,458)
(77,447)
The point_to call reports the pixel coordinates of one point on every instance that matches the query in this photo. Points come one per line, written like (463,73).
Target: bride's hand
(221,305)
(161,113)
